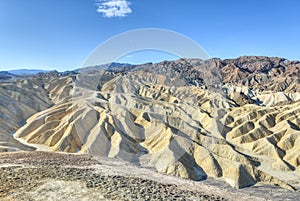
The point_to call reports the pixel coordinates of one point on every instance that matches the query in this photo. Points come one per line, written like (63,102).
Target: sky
(60,34)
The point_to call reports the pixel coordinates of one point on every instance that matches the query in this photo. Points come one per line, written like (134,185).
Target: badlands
(176,130)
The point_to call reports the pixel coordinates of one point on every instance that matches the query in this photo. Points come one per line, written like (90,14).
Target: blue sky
(60,34)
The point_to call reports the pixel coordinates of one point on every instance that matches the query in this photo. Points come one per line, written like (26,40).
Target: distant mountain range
(21,72)
(26,72)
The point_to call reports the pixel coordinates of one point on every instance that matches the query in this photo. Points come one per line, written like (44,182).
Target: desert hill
(235,119)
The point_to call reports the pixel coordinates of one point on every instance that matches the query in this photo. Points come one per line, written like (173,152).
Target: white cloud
(113,8)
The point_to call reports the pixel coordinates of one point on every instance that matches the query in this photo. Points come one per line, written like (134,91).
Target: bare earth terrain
(216,125)
(54,176)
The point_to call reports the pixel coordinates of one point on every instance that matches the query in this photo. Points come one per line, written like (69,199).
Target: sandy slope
(185,137)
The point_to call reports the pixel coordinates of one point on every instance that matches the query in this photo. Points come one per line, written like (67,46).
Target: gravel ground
(24,174)
(43,176)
